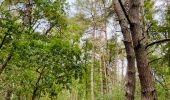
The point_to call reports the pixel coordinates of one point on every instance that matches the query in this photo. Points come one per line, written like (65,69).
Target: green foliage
(57,65)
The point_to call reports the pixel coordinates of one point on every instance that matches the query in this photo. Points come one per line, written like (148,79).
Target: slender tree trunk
(108,73)
(101,68)
(115,66)
(8,95)
(3,66)
(19,96)
(36,88)
(122,65)
(130,75)
(92,65)
(92,80)
(145,74)
(37,84)
(8,58)
(27,15)
(169,53)
(105,75)
(93,14)
(86,73)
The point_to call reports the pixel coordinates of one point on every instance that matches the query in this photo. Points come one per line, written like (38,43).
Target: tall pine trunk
(139,41)
(101,68)
(92,65)
(106,54)
(130,75)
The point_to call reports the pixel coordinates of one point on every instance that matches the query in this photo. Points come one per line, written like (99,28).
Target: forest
(84,49)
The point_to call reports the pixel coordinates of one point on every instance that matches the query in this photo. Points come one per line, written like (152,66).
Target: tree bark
(27,15)
(122,65)
(3,66)
(169,53)
(145,73)
(130,75)
(92,65)
(105,75)
(37,84)
(8,95)
(101,68)
(115,66)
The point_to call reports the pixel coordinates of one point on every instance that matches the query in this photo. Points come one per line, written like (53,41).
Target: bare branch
(157,42)
(49,29)
(154,60)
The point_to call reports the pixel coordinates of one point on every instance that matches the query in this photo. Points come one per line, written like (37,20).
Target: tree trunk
(115,66)
(27,15)
(169,53)
(8,95)
(92,65)
(145,73)
(105,75)
(168,24)
(37,84)
(3,66)
(101,68)
(122,65)
(19,96)
(130,75)
(93,14)
(108,72)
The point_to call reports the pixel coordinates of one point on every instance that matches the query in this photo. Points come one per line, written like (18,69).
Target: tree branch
(124,11)
(49,29)
(8,58)
(154,60)
(157,42)
(3,40)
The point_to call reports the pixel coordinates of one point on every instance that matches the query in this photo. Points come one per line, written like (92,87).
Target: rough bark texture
(145,74)
(130,75)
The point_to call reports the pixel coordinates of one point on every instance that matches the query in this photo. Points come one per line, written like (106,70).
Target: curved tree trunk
(130,75)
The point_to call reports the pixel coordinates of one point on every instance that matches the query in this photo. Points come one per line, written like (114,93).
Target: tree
(148,91)
(130,76)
